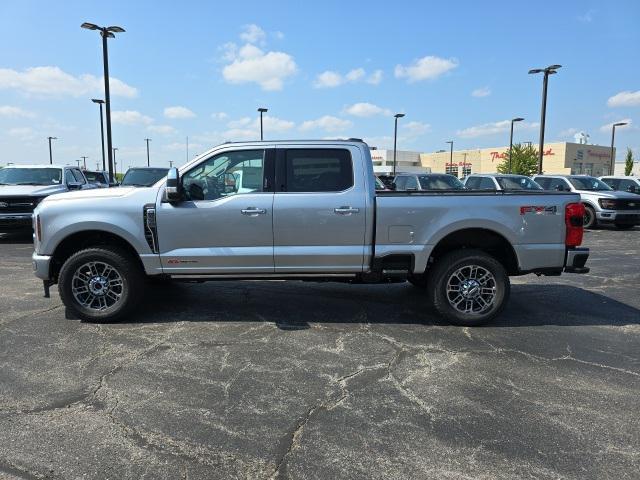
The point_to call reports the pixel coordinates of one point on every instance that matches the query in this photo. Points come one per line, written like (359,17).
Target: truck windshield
(30,176)
(588,183)
(95,177)
(440,182)
(517,182)
(143,177)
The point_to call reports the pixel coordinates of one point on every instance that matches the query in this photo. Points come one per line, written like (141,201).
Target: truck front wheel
(468,287)
(100,284)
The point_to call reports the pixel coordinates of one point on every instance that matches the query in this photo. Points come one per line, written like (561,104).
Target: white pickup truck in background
(301,210)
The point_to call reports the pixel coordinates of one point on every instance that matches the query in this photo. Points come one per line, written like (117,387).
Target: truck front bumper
(41,265)
(576,259)
(620,217)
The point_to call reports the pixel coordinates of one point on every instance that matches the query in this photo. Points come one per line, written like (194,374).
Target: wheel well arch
(483,239)
(86,239)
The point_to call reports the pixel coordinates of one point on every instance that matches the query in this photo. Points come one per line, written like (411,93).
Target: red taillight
(574,219)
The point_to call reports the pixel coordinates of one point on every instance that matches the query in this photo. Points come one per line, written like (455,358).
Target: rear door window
(412,183)
(558,184)
(473,183)
(400,183)
(486,183)
(318,170)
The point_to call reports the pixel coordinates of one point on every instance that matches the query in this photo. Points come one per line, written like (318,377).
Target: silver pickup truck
(301,210)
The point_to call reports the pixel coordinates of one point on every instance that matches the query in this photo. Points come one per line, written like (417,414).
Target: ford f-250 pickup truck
(301,210)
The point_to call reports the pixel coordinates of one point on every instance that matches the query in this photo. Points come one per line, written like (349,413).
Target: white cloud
(250,64)
(365,109)
(252,34)
(327,123)
(332,79)
(355,74)
(481,92)
(9,111)
(415,129)
(425,68)
(494,128)
(178,112)
(569,132)
(587,17)
(328,79)
(52,82)
(375,78)
(609,126)
(130,117)
(22,133)
(248,128)
(162,129)
(625,99)
(219,116)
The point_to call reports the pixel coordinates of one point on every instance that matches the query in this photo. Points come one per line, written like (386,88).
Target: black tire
(624,226)
(126,284)
(419,281)
(590,220)
(441,274)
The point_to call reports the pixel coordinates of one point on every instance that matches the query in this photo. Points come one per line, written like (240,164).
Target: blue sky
(458,70)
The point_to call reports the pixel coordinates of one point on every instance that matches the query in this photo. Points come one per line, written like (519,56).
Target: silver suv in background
(426,181)
(602,204)
(623,183)
(496,181)
(23,187)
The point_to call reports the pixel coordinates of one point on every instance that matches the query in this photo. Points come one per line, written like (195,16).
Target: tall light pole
(262,110)
(395,139)
(550,70)
(115,164)
(518,119)
(450,142)
(147,140)
(106,32)
(78,162)
(84,161)
(100,102)
(613,137)
(50,153)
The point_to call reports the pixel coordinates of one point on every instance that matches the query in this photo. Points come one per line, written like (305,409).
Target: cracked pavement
(302,380)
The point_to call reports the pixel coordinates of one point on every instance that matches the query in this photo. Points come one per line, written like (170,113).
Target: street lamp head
(619,124)
(108,34)
(536,70)
(90,26)
(518,119)
(399,115)
(554,67)
(115,28)
(262,110)
(449,141)
(97,100)
(52,138)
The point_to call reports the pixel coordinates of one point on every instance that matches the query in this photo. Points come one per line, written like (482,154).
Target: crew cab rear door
(224,224)
(319,209)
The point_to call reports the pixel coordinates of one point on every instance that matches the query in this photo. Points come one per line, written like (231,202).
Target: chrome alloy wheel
(97,286)
(471,289)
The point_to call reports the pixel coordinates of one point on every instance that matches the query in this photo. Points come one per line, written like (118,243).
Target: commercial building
(406,161)
(558,158)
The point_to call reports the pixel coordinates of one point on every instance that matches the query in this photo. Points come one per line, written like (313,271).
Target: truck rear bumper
(576,259)
(41,265)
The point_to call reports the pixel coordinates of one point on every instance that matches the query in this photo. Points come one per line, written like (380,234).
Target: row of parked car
(22,187)
(611,200)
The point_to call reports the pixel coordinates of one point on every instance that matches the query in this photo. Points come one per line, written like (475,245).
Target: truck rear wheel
(590,220)
(468,287)
(100,284)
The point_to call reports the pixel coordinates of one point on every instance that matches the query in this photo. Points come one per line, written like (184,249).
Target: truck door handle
(253,211)
(346,210)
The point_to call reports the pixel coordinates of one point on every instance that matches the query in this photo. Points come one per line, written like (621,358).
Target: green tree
(628,162)
(524,160)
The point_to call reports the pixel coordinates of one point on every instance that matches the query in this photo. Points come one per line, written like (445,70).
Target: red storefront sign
(503,155)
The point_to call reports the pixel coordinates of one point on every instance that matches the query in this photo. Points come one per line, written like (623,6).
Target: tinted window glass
(79,177)
(440,182)
(626,184)
(400,183)
(486,183)
(69,177)
(472,183)
(95,177)
(318,170)
(143,177)
(412,183)
(588,183)
(30,176)
(225,174)
(543,182)
(517,183)
(558,184)
(612,182)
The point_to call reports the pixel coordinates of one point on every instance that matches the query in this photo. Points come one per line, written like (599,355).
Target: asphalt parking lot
(303,380)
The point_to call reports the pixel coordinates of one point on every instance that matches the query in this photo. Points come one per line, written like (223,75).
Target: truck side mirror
(173,190)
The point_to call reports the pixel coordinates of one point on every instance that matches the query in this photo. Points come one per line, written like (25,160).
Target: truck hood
(30,190)
(92,193)
(608,194)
